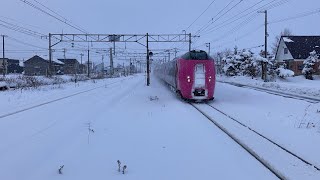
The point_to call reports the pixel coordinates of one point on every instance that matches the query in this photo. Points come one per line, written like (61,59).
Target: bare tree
(285,32)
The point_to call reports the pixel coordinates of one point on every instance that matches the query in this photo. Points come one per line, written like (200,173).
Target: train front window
(196,55)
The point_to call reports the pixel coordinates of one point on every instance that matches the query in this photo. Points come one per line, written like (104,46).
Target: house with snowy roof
(38,66)
(293,50)
(71,66)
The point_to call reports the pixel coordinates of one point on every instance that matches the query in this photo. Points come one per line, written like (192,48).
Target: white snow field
(160,139)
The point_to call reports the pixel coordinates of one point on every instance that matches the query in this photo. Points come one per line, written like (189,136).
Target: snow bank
(297,85)
(20,81)
(2,84)
(283,73)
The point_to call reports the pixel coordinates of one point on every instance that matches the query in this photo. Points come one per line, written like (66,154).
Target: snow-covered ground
(159,139)
(298,84)
(162,138)
(281,119)
(16,100)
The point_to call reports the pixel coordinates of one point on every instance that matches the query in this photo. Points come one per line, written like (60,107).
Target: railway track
(275,92)
(264,162)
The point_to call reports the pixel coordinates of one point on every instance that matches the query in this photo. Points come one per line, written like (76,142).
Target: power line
(205,26)
(24,43)
(63,20)
(301,15)
(20,29)
(237,14)
(54,12)
(200,15)
(229,10)
(226,23)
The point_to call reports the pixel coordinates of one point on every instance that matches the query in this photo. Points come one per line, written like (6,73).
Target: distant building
(3,65)
(293,50)
(40,67)
(85,65)
(71,66)
(99,68)
(14,66)
(11,66)
(82,69)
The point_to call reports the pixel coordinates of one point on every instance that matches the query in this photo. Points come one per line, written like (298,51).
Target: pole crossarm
(102,38)
(142,39)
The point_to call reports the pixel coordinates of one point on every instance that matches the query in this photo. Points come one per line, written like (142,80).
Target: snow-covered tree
(229,67)
(308,65)
(249,65)
(240,63)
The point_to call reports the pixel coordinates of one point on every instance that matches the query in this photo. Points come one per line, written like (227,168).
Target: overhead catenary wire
(63,20)
(24,43)
(267,6)
(300,15)
(200,15)
(236,16)
(229,10)
(20,29)
(210,22)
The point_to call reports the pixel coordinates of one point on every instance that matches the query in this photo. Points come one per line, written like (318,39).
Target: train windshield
(196,55)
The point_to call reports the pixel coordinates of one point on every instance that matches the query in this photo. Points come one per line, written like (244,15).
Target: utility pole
(189,41)
(124,70)
(64,53)
(3,55)
(88,63)
(81,63)
(208,45)
(175,52)
(264,64)
(50,56)
(111,62)
(102,68)
(130,67)
(148,62)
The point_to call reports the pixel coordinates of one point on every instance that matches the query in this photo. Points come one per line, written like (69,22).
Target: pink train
(192,75)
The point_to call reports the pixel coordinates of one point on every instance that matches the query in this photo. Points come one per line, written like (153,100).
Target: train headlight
(188,79)
(209,78)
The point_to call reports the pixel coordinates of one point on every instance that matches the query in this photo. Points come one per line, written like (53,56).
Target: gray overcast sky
(155,16)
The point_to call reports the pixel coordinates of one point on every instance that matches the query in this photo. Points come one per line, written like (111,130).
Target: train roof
(196,55)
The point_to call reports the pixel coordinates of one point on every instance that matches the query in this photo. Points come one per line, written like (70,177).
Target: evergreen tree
(308,65)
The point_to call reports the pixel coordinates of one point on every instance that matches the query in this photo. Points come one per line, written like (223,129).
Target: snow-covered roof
(301,46)
(286,39)
(53,59)
(21,63)
(56,61)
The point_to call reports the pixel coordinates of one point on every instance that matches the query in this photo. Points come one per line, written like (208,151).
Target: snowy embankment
(17,100)
(17,81)
(296,85)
